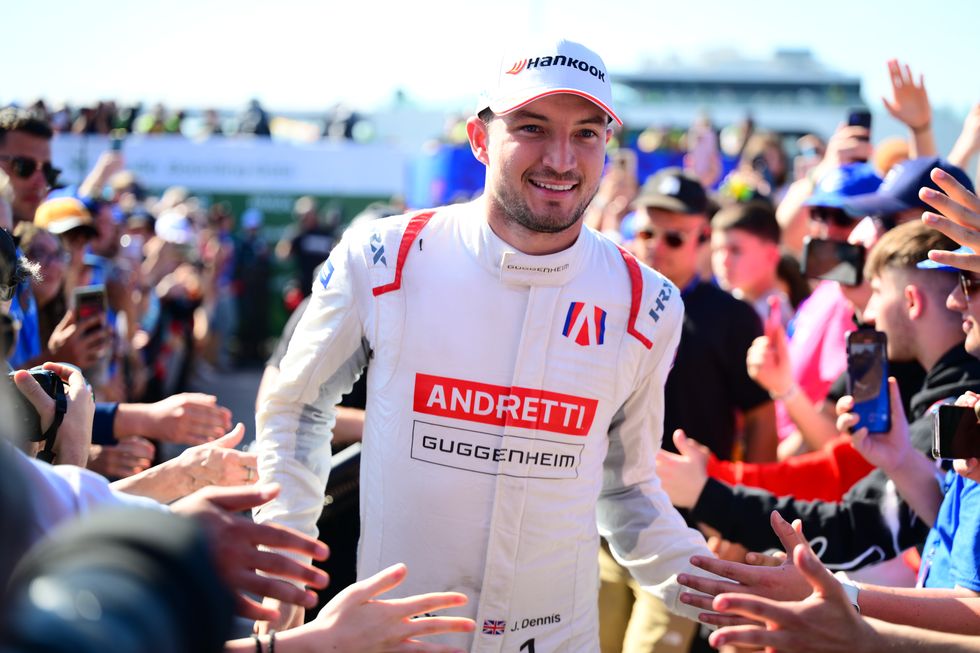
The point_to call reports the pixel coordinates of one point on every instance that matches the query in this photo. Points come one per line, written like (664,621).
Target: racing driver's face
(544,162)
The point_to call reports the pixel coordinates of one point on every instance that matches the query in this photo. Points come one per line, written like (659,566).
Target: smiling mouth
(552,187)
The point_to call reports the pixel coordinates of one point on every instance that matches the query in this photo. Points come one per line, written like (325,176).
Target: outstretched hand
(825,621)
(235,541)
(958,217)
(683,475)
(356,620)
(219,463)
(188,418)
(782,583)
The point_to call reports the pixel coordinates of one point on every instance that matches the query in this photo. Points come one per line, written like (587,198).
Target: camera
(121,580)
(25,421)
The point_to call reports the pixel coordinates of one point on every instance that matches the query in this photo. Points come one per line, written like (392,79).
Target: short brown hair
(18,120)
(756,218)
(904,247)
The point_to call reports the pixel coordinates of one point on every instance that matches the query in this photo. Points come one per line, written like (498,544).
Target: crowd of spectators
(133,295)
(759,419)
(109,117)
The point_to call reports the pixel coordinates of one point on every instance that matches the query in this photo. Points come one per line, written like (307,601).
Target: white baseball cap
(529,73)
(174,227)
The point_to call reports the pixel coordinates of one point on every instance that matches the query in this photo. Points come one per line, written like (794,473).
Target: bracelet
(850,589)
(919,130)
(789,393)
(272,642)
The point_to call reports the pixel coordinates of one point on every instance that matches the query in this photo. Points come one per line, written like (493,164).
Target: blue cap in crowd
(900,189)
(839,185)
(929,264)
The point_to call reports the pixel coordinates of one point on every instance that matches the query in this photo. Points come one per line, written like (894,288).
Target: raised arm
(910,105)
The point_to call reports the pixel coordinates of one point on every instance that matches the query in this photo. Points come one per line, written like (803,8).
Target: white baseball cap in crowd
(174,227)
(531,72)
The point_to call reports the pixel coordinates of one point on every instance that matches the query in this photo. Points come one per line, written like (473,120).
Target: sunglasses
(967,284)
(25,167)
(673,239)
(830,215)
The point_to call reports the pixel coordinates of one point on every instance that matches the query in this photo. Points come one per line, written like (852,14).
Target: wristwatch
(850,588)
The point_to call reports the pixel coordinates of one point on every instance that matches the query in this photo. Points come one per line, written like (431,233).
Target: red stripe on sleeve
(415,225)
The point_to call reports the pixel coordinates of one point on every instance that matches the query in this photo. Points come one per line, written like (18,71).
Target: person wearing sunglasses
(672,228)
(25,155)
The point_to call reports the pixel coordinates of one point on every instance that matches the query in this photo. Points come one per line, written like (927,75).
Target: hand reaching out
(235,541)
(825,621)
(130,456)
(187,418)
(958,217)
(356,620)
(783,582)
(684,474)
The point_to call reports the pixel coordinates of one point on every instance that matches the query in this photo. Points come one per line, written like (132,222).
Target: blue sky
(303,55)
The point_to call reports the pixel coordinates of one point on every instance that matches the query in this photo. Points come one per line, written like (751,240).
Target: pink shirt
(817,349)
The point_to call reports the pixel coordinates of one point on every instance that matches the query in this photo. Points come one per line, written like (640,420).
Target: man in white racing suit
(516,391)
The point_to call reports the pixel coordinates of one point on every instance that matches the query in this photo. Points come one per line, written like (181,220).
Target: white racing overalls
(514,403)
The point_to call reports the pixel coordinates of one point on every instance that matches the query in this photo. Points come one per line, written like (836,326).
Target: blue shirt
(23,309)
(951,556)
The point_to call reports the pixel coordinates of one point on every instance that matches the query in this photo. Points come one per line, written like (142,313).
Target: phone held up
(860,117)
(89,301)
(867,379)
(833,260)
(957,434)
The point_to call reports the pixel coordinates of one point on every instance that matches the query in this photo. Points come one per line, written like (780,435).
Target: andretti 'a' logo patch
(585,324)
(517,67)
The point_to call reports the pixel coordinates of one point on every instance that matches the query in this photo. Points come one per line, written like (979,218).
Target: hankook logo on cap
(517,67)
(558,60)
(670,186)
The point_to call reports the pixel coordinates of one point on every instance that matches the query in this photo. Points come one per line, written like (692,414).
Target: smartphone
(867,379)
(89,301)
(833,260)
(116,138)
(859,118)
(957,433)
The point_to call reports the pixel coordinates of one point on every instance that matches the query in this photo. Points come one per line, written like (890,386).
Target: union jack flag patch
(494,626)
